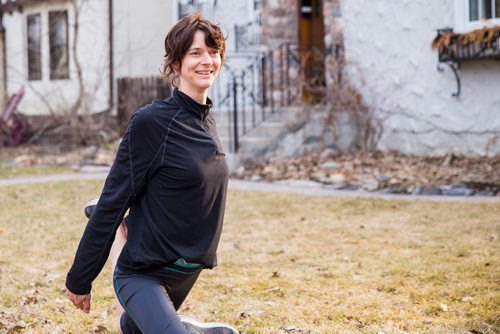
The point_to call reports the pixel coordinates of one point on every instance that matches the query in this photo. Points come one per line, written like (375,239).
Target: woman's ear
(176,68)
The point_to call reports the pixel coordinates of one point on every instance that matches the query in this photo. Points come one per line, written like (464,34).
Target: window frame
(462,17)
(32,74)
(52,16)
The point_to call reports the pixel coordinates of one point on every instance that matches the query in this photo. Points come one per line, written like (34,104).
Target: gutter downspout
(111,51)
(3,88)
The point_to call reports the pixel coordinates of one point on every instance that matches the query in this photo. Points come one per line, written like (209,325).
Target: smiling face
(199,68)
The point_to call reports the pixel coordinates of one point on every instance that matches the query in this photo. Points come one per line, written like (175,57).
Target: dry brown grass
(10,172)
(324,265)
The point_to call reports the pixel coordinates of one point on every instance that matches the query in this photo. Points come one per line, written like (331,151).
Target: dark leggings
(151,300)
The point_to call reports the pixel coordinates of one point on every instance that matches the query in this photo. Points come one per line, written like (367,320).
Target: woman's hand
(80,301)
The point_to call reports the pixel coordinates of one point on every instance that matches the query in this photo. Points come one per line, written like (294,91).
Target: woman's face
(199,67)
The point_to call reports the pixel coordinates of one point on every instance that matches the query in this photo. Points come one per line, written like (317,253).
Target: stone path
(297,187)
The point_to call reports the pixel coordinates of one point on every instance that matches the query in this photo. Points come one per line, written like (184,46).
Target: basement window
(58,42)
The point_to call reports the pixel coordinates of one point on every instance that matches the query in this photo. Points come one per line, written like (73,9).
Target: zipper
(218,150)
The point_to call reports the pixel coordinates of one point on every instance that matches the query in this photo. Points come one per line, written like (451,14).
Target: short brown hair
(180,38)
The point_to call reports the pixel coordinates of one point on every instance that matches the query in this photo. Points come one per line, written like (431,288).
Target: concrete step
(247,144)
(286,114)
(255,140)
(265,129)
(248,115)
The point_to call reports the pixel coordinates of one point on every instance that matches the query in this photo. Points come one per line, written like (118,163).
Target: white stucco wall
(140,28)
(389,56)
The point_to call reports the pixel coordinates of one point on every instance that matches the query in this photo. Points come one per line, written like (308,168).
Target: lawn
(11,172)
(287,264)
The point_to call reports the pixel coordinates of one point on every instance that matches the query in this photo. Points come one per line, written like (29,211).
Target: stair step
(247,144)
(265,129)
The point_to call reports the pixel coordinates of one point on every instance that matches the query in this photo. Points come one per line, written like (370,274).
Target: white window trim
(43,10)
(462,23)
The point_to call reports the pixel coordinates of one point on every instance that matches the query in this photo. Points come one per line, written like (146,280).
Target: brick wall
(279,22)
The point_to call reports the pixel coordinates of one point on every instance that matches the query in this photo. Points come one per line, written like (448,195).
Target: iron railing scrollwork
(454,48)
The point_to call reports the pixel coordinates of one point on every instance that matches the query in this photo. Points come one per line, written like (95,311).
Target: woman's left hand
(80,301)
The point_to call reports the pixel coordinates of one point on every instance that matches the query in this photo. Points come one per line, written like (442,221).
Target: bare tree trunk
(81,87)
(3,67)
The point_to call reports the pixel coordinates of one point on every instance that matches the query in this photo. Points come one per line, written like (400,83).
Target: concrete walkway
(297,187)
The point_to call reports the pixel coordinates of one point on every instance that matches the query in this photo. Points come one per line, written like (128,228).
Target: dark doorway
(312,45)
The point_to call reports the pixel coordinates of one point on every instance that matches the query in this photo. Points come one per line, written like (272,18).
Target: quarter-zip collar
(186,102)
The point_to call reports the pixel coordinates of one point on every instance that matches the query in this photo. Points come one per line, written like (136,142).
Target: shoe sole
(207,325)
(90,206)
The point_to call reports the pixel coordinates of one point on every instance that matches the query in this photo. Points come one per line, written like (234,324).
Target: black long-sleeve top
(170,171)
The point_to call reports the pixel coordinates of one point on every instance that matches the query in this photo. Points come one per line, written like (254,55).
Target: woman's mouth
(207,72)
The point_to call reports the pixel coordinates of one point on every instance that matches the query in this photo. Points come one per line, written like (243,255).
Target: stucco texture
(390,60)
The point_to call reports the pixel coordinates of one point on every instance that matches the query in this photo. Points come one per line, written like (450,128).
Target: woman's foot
(197,327)
(90,206)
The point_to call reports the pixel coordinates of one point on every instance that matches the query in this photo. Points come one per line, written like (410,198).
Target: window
(484,9)
(34,28)
(476,14)
(257,5)
(58,42)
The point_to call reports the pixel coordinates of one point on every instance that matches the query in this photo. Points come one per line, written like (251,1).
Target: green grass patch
(286,262)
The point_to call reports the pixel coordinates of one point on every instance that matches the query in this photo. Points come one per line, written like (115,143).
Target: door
(312,46)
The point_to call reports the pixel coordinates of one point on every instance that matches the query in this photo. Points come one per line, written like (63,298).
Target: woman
(171,174)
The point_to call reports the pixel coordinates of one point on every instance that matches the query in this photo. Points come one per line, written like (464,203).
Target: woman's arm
(134,160)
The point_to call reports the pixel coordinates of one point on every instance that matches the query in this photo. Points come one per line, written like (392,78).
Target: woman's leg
(148,309)
(116,249)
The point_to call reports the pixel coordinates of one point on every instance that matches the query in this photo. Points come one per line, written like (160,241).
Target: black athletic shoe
(90,207)
(196,327)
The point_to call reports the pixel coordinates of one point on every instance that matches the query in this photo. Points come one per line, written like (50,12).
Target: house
(417,99)
(421,101)
(60,50)
(428,107)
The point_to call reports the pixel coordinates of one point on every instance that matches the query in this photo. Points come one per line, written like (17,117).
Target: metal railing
(453,48)
(280,78)
(457,51)
(247,35)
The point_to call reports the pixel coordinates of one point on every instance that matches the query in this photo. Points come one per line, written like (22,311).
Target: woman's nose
(206,59)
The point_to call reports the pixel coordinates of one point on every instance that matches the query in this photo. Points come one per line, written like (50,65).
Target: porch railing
(247,35)
(281,78)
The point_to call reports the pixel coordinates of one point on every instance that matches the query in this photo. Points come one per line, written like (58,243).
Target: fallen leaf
(244,315)
(101,329)
(275,289)
(19,326)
